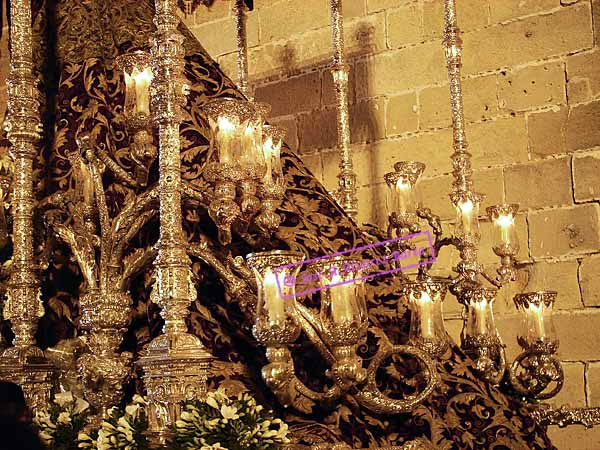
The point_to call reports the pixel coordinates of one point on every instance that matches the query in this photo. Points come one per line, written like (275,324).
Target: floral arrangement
(61,423)
(223,423)
(218,422)
(122,429)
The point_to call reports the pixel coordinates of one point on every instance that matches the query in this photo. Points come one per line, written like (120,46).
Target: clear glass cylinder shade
(229,119)
(137,70)
(272,141)
(537,325)
(505,240)
(343,311)
(252,155)
(401,196)
(467,217)
(480,314)
(275,273)
(427,321)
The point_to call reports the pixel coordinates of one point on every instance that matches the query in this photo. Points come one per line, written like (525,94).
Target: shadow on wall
(298,85)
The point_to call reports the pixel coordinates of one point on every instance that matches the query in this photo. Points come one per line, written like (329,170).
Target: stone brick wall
(532,102)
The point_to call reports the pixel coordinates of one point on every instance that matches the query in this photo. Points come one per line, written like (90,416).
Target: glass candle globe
(229,119)
(505,240)
(467,216)
(252,155)
(343,311)
(427,322)
(275,273)
(401,198)
(272,141)
(537,326)
(137,70)
(480,322)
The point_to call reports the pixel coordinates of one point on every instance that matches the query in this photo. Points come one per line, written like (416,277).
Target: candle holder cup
(536,373)
(427,330)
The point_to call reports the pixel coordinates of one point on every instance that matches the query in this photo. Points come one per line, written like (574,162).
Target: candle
(466,213)
(341,301)
(426,309)
(537,320)
(248,143)
(142,91)
(273,302)
(129,92)
(268,150)
(480,313)
(87,184)
(402,191)
(225,135)
(505,222)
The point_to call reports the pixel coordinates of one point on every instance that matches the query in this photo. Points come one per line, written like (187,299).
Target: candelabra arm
(117,170)
(129,221)
(372,398)
(290,391)
(192,193)
(239,266)
(492,280)
(234,285)
(533,371)
(545,414)
(433,220)
(435,223)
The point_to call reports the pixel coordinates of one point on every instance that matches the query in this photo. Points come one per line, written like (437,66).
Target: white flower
(63,398)
(229,412)
(80,405)
(64,418)
(132,410)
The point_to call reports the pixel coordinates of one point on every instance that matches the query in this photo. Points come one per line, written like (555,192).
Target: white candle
(426,308)
(537,320)
(129,92)
(87,184)
(480,313)
(225,136)
(466,213)
(268,150)
(273,302)
(142,91)
(341,298)
(248,143)
(402,191)
(505,222)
